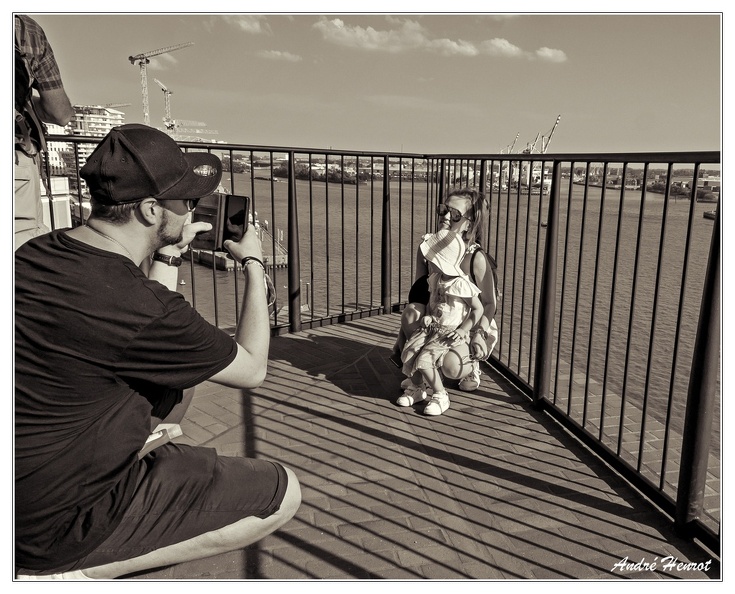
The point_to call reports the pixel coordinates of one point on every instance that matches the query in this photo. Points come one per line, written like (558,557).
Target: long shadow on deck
(492,489)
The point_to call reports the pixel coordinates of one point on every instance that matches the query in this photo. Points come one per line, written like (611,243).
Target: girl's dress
(448,307)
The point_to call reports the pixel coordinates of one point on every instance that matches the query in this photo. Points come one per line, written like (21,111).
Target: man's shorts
(184,491)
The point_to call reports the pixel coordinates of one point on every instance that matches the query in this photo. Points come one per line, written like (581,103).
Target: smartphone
(229,215)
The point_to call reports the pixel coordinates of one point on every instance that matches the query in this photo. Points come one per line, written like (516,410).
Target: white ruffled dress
(449,304)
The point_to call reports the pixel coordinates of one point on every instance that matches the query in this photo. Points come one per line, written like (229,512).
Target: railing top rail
(634,157)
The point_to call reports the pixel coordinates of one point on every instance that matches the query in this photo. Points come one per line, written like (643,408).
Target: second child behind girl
(453,310)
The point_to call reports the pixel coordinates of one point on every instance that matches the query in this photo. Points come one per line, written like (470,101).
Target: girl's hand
(458,336)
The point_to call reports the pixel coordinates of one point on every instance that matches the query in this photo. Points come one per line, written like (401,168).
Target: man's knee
(411,316)
(292,498)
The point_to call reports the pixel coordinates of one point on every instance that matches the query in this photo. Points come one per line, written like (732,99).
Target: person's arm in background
(421,266)
(54,106)
(486,283)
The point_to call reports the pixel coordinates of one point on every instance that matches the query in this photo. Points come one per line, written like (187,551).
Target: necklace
(112,239)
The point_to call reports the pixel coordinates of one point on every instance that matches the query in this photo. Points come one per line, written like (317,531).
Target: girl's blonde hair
(477,215)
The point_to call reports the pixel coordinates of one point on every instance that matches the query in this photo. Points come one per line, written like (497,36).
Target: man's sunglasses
(191,204)
(455,215)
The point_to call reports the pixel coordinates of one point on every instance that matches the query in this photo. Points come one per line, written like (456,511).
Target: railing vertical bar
(579,284)
(294,262)
(497,219)
(564,279)
(612,302)
(505,271)
(326,227)
(311,236)
(547,296)
(680,310)
(357,234)
(601,219)
(400,225)
(372,228)
(411,250)
(274,239)
(513,279)
(236,277)
(385,252)
(342,225)
(535,279)
(443,173)
(430,187)
(701,392)
(633,292)
(654,317)
(523,285)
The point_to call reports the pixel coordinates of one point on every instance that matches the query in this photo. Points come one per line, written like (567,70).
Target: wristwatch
(482,332)
(170,260)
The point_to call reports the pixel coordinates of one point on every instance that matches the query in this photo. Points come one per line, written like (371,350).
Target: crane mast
(168,122)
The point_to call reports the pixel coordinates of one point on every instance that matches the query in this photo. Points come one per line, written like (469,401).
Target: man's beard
(165,234)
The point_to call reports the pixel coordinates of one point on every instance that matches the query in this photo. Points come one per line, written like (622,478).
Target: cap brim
(196,185)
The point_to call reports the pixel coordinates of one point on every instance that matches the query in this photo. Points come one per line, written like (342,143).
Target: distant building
(88,120)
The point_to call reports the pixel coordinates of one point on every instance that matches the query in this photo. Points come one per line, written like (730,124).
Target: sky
(405,81)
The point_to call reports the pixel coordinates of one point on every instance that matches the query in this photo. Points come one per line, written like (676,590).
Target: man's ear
(148,211)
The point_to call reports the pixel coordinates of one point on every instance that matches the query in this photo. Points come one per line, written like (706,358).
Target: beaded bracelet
(248,259)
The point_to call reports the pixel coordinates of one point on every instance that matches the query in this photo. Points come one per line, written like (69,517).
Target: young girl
(453,310)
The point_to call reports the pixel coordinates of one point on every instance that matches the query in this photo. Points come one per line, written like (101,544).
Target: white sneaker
(471,381)
(411,396)
(72,576)
(437,405)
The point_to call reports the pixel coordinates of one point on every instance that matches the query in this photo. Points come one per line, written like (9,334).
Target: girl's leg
(433,379)
(439,401)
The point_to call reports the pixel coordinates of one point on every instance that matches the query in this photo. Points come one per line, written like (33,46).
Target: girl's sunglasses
(454,214)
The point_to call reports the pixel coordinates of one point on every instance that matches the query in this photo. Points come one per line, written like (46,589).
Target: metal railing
(608,268)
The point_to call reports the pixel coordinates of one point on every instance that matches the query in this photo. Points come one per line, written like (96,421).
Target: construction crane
(113,105)
(545,140)
(143,60)
(168,122)
(511,146)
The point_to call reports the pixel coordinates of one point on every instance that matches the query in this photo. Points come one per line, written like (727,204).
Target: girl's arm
(461,334)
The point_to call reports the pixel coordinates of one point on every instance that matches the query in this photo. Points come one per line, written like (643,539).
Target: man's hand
(478,348)
(249,245)
(188,234)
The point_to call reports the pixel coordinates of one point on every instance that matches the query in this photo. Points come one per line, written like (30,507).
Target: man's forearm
(253,330)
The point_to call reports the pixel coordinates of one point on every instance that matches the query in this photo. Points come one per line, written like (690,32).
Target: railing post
(483,176)
(442,181)
(701,394)
(547,297)
(385,252)
(294,262)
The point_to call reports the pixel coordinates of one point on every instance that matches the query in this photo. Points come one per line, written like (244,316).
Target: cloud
(249,23)
(447,47)
(501,47)
(551,55)
(410,35)
(278,55)
(407,35)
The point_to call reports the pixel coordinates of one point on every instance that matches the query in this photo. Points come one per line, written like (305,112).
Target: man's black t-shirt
(97,345)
